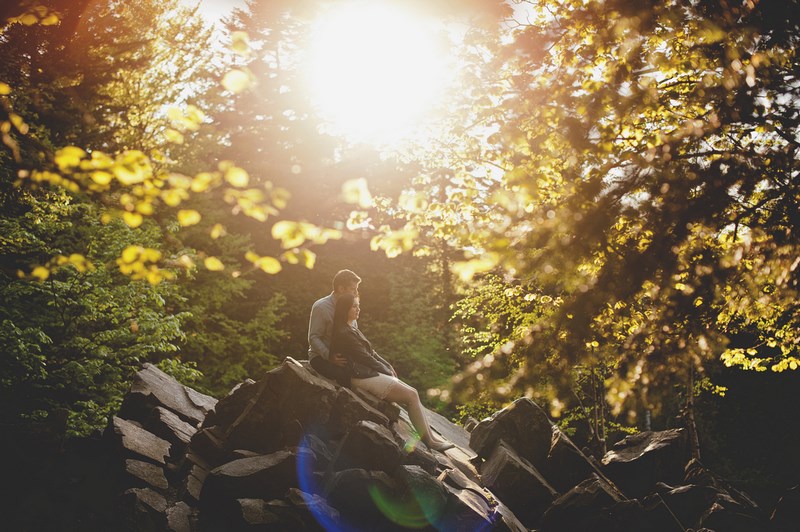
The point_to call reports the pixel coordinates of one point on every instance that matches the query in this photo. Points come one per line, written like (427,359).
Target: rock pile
(295,452)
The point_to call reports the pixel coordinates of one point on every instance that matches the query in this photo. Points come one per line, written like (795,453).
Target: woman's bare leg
(406,395)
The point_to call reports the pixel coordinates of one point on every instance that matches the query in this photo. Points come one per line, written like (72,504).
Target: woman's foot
(441,446)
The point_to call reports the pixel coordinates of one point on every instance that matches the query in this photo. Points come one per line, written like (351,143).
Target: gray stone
(368,446)
(639,461)
(354,492)
(566,465)
(289,402)
(144,509)
(585,508)
(138,441)
(194,482)
(167,425)
(787,512)
(179,518)
(149,473)
(523,425)
(349,409)
(518,484)
(472,507)
(261,477)
(152,387)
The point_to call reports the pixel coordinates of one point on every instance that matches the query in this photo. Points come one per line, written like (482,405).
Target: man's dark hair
(345,277)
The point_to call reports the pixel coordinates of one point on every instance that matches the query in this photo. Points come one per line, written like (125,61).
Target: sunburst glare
(377,70)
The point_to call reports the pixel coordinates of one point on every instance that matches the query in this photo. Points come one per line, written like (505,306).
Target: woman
(371,373)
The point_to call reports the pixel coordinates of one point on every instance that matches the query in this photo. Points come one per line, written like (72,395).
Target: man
(320,329)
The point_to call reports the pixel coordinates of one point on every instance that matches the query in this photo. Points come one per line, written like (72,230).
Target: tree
(639,161)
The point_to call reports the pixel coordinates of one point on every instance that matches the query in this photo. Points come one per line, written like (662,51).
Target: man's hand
(338,359)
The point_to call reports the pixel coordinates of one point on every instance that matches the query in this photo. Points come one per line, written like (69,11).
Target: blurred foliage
(638,164)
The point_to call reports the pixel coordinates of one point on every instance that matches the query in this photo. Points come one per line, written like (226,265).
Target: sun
(376,70)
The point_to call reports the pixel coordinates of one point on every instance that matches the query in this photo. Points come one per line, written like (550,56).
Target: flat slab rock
(152,387)
(139,441)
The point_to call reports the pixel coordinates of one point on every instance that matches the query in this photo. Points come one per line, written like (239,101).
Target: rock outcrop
(293,451)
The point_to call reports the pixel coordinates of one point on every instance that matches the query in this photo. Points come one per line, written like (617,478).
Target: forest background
(605,221)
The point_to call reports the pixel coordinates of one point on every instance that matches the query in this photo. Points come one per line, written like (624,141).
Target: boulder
(584,508)
(637,462)
(523,425)
(144,510)
(194,483)
(363,498)
(299,511)
(424,498)
(138,442)
(261,477)
(686,503)
(323,456)
(472,507)
(518,484)
(566,465)
(728,515)
(786,514)
(348,410)
(368,446)
(169,426)
(152,387)
(696,473)
(180,518)
(388,409)
(208,444)
(289,400)
(150,475)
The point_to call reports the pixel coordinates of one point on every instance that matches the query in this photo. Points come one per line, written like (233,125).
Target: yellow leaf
(28,19)
(69,157)
(356,191)
(270,265)
(237,177)
(174,136)
(202,181)
(288,233)
(237,81)
(151,255)
(144,208)
(101,177)
(50,20)
(217,231)
(133,219)
(240,42)
(214,264)
(309,258)
(41,273)
(4,89)
(187,217)
(173,197)
(186,262)
(19,123)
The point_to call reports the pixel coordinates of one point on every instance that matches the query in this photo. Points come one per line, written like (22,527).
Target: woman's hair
(343,305)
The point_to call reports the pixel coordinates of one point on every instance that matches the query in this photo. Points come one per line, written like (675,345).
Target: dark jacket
(364,362)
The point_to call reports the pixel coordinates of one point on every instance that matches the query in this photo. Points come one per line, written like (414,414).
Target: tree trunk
(694,441)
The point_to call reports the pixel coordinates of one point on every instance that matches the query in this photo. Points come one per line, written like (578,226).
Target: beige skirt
(378,386)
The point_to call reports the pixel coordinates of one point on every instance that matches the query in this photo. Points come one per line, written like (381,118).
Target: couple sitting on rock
(339,351)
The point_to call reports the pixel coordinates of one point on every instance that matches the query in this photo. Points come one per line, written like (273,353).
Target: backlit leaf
(188,217)
(213,264)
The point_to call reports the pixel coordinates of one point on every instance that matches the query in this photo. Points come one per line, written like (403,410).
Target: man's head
(346,282)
